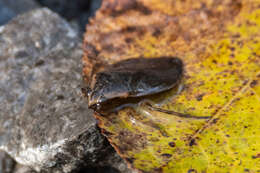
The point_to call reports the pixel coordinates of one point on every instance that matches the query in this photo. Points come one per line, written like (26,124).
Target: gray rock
(45,123)
(6,163)
(23,169)
(115,163)
(11,8)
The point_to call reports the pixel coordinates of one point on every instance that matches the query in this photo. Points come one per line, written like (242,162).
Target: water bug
(133,79)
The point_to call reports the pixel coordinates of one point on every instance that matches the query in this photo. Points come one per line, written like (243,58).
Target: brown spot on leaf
(232,49)
(246,170)
(256,156)
(215,121)
(157,170)
(253,83)
(172,144)
(200,97)
(192,142)
(235,6)
(230,63)
(116,8)
(166,155)
(232,55)
(129,29)
(109,47)
(91,51)
(245,82)
(192,171)
(128,40)
(157,32)
(214,61)
(236,35)
(128,140)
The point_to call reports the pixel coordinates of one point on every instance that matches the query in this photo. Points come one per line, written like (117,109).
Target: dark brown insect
(133,79)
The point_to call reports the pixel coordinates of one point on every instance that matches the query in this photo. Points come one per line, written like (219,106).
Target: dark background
(77,12)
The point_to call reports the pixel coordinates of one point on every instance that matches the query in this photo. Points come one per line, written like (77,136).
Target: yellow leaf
(219,43)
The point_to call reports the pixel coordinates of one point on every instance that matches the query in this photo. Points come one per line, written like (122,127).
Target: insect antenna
(175,113)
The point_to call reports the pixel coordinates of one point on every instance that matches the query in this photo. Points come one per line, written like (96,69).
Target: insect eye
(98,106)
(177,61)
(95,107)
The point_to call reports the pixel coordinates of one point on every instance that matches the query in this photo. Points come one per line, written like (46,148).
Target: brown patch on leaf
(128,140)
(114,38)
(200,97)
(253,83)
(192,171)
(192,142)
(166,155)
(256,156)
(172,144)
(116,7)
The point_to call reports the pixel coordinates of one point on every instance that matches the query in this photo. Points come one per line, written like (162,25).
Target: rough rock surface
(113,163)
(45,123)
(11,8)
(23,169)
(6,163)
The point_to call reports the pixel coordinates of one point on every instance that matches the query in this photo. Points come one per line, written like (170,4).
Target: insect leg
(175,113)
(180,88)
